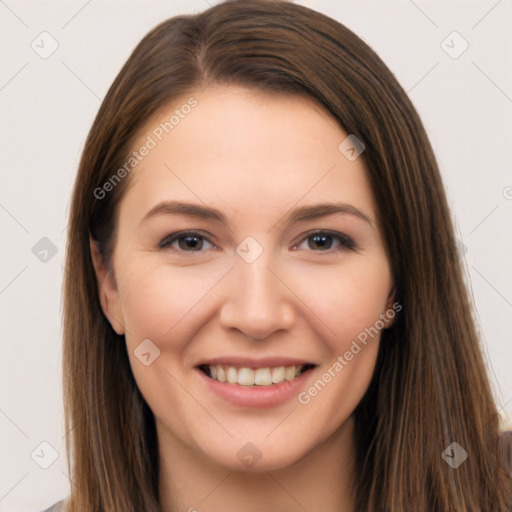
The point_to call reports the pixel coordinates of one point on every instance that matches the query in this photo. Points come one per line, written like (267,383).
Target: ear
(107,290)
(391,312)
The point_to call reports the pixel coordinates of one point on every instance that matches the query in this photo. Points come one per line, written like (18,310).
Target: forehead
(247,149)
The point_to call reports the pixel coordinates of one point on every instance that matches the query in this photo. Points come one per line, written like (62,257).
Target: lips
(249,385)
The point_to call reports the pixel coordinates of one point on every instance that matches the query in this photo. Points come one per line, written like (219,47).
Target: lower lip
(258,397)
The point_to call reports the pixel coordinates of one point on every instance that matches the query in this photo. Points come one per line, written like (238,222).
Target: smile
(244,376)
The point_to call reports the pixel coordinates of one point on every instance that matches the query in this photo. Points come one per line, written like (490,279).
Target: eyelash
(346,243)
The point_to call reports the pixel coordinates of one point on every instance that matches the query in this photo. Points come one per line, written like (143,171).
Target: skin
(254,156)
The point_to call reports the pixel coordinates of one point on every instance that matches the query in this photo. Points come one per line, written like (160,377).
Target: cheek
(160,304)
(158,301)
(347,300)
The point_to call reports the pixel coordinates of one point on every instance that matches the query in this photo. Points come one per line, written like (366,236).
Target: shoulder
(57,507)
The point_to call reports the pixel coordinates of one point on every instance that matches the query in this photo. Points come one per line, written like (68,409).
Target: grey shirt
(57,507)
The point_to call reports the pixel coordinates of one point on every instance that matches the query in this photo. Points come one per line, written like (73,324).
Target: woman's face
(252,294)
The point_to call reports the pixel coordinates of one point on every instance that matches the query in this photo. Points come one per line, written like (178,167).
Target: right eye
(188,241)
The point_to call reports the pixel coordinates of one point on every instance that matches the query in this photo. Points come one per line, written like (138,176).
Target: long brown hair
(430,386)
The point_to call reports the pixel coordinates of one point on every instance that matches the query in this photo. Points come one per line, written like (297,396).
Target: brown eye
(188,241)
(323,241)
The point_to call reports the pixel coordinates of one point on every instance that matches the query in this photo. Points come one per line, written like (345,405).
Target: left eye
(193,241)
(323,239)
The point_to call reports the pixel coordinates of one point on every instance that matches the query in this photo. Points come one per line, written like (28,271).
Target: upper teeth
(249,377)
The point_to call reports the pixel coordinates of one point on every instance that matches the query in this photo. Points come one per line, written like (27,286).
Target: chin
(256,457)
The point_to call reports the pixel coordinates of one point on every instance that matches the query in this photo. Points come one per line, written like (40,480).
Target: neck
(320,480)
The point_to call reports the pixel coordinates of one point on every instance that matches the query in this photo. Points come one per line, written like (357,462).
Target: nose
(258,301)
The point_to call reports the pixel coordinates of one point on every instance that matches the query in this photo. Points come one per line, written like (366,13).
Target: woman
(256,373)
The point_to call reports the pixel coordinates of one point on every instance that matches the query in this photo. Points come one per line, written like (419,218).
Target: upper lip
(251,362)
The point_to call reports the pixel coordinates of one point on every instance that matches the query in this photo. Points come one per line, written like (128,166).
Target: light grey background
(48,105)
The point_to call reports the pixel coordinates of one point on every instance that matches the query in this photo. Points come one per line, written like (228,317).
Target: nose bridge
(259,302)
(256,282)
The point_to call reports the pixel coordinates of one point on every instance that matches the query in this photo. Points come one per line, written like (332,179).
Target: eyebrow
(303,213)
